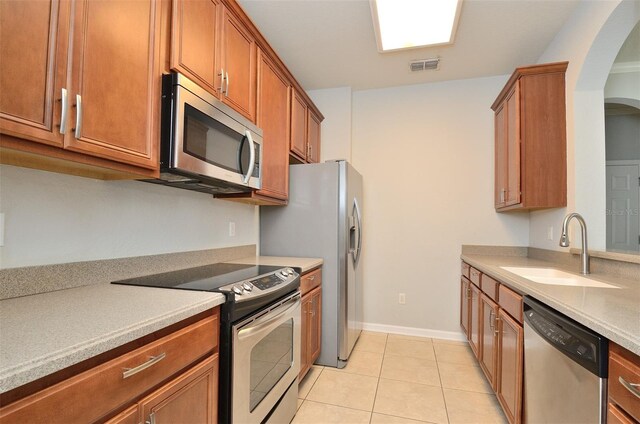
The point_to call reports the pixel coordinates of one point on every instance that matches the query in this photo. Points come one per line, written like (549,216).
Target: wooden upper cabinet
(238,60)
(305,130)
(298,144)
(273,117)
(33,52)
(115,115)
(313,137)
(194,41)
(530,139)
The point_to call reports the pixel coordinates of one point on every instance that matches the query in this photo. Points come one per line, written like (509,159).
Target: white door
(623,204)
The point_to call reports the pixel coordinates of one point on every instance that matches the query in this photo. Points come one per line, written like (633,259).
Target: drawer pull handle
(630,386)
(313,277)
(128,372)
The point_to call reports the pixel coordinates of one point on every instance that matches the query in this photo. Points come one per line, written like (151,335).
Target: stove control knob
(283,274)
(247,286)
(238,290)
(290,271)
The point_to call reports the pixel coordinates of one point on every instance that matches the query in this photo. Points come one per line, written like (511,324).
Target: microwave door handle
(252,157)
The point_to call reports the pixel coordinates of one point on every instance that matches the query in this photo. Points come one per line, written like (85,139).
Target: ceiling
(331,43)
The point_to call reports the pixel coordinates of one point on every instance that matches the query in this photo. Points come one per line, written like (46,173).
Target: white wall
(590,41)
(55,218)
(335,105)
(426,155)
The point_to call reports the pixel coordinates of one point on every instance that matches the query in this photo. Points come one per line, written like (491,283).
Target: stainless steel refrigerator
(324,220)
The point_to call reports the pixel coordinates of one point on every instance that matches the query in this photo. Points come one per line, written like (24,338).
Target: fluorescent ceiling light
(405,24)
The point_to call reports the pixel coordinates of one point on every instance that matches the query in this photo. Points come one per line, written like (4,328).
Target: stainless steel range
(259,336)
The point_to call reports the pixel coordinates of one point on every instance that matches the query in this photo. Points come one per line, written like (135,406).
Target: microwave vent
(425,64)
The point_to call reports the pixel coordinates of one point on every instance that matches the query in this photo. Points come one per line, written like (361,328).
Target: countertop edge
(617,335)
(30,371)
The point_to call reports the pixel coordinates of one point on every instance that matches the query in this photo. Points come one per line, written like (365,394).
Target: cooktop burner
(202,278)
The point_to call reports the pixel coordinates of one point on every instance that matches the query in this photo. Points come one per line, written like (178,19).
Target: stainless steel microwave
(205,145)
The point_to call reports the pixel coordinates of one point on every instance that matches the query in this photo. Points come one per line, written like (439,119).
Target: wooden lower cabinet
(474,320)
(616,415)
(465,295)
(492,323)
(167,377)
(311,341)
(510,366)
(488,338)
(624,384)
(190,398)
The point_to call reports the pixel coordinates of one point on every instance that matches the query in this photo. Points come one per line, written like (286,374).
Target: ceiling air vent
(424,65)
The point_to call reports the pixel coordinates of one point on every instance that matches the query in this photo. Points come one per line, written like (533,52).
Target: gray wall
(55,218)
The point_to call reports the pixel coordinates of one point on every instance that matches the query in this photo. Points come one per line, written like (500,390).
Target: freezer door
(351,209)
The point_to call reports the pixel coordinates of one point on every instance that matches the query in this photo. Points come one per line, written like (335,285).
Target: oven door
(266,359)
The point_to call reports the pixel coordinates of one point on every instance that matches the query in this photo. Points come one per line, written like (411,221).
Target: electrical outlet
(232,229)
(550,233)
(401,298)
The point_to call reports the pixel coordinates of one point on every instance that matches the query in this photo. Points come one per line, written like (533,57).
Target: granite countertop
(611,312)
(44,333)
(306,264)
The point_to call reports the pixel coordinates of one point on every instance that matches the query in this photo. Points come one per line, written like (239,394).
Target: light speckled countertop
(306,264)
(614,313)
(44,333)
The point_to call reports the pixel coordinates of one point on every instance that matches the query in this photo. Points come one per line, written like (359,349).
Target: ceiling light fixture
(407,24)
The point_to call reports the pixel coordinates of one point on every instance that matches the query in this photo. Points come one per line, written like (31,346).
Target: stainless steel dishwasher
(565,368)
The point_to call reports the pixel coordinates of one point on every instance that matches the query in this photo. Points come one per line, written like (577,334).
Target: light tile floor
(400,379)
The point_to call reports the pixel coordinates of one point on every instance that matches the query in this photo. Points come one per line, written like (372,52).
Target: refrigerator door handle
(356,231)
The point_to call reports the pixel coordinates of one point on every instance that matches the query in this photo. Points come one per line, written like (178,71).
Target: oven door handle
(269,318)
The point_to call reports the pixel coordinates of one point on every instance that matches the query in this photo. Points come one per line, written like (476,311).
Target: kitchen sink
(556,277)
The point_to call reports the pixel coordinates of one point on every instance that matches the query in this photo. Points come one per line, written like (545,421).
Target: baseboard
(414,331)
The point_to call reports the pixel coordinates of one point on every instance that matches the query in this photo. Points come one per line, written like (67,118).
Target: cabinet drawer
(310,281)
(623,373)
(617,416)
(90,395)
(464,269)
(511,302)
(489,286)
(474,276)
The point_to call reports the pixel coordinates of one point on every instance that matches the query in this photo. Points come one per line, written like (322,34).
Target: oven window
(271,358)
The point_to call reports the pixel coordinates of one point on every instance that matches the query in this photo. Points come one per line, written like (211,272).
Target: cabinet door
(273,118)
(299,114)
(190,398)
(465,294)
(313,138)
(500,157)
(315,325)
(128,416)
(474,319)
(488,338)
(513,146)
(510,348)
(239,64)
(304,339)
(33,52)
(194,36)
(116,81)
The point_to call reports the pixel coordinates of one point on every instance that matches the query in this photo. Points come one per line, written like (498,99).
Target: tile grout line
(375,395)
(444,399)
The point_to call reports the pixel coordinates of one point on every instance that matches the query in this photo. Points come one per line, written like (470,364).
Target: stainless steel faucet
(564,239)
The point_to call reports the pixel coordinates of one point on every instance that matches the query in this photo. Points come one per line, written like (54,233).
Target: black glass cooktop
(202,278)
